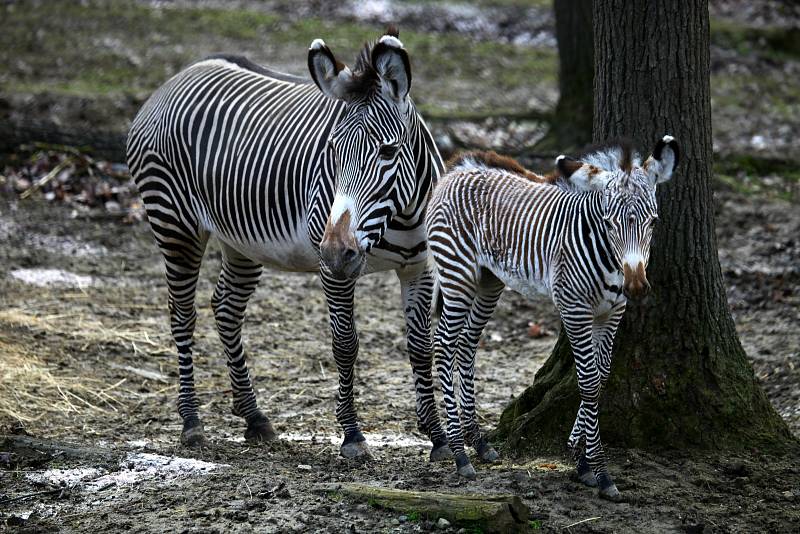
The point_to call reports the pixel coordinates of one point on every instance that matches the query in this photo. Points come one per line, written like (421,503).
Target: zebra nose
(635,285)
(349,254)
(344,261)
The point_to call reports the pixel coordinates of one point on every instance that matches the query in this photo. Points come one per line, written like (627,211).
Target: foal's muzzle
(635,285)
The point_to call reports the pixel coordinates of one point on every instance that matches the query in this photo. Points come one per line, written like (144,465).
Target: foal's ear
(666,155)
(390,60)
(331,75)
(583,176)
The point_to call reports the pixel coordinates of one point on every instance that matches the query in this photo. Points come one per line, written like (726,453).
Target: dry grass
(31,389)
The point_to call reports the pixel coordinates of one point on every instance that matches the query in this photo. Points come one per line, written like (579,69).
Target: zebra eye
(653,221)
(388,151)
(632,219)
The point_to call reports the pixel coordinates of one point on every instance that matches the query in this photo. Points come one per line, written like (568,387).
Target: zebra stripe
(491,226)
(256,158)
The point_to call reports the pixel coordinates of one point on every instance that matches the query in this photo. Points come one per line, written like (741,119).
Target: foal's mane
(612,155)
(492,160)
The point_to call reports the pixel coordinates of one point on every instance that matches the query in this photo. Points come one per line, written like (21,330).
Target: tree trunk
(680,377)
(572,121)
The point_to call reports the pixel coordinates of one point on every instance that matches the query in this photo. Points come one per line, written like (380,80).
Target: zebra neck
(594,234)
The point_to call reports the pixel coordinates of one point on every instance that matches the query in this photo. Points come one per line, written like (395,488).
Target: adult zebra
(585,241)
(283,174)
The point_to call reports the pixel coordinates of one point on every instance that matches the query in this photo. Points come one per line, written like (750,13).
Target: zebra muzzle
(339,249)
(635,285)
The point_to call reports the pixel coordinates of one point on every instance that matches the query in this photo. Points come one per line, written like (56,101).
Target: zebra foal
(581,236)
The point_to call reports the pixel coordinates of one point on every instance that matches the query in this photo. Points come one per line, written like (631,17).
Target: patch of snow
(51,277)
(135,468)
(373,440)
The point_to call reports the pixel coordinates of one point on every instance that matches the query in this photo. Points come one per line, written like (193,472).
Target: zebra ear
(390,60)
(331,75)
(662,163)
(583,176)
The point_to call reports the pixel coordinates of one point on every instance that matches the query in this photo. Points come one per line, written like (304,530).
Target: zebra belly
(298,255)
(530,287)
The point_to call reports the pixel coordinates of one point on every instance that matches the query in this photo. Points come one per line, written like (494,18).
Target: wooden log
(104,144)
(28,450)
(490,513)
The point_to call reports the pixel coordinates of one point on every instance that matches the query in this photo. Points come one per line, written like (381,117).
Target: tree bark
(572,120)
(680,377)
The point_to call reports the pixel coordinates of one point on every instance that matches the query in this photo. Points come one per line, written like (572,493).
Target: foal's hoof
(486,452)
(355,446)
(192,435)
(464,467)
(585,473)
(441,452)
(608,490)
(259,430)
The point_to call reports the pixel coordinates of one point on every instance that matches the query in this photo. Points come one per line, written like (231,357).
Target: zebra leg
(339,295)
(579,326)
(417,291)
(237,282)
(603,332)
(480,313)
(457,304)
(182,259)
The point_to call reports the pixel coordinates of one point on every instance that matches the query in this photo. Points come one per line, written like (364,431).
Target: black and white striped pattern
(583,240)
(256,158)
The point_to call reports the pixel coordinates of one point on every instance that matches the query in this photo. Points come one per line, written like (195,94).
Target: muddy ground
(85,351)
(89,361)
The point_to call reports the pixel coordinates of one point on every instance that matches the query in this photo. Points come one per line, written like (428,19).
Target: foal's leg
(236,284)
(339,294)
(603,331)
(480,313)
(417,290)
(578,325)
(457,304)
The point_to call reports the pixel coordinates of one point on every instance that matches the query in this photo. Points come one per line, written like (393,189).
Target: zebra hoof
(355,446)
(464,467)
(193,435)
(259,430)
(441,453)
(585,473)
(486,452)
(608,490)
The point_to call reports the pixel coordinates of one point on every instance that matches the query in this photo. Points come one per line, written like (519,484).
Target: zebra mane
(365,77)
(488,159)
(612,155)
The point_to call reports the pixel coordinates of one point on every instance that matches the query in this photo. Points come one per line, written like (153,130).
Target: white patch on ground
(51,277)
(137,467)
(373,440)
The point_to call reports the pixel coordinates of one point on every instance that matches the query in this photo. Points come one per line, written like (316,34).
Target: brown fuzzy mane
(494,160)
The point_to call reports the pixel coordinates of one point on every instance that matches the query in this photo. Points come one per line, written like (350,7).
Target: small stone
(442,523)
(304,467)
(395,521)
(403,518)
(788,495)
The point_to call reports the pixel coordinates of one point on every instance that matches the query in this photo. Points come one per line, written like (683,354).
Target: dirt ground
(85,351)
(88,359)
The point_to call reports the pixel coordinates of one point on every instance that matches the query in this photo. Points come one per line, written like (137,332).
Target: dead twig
(581,521)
